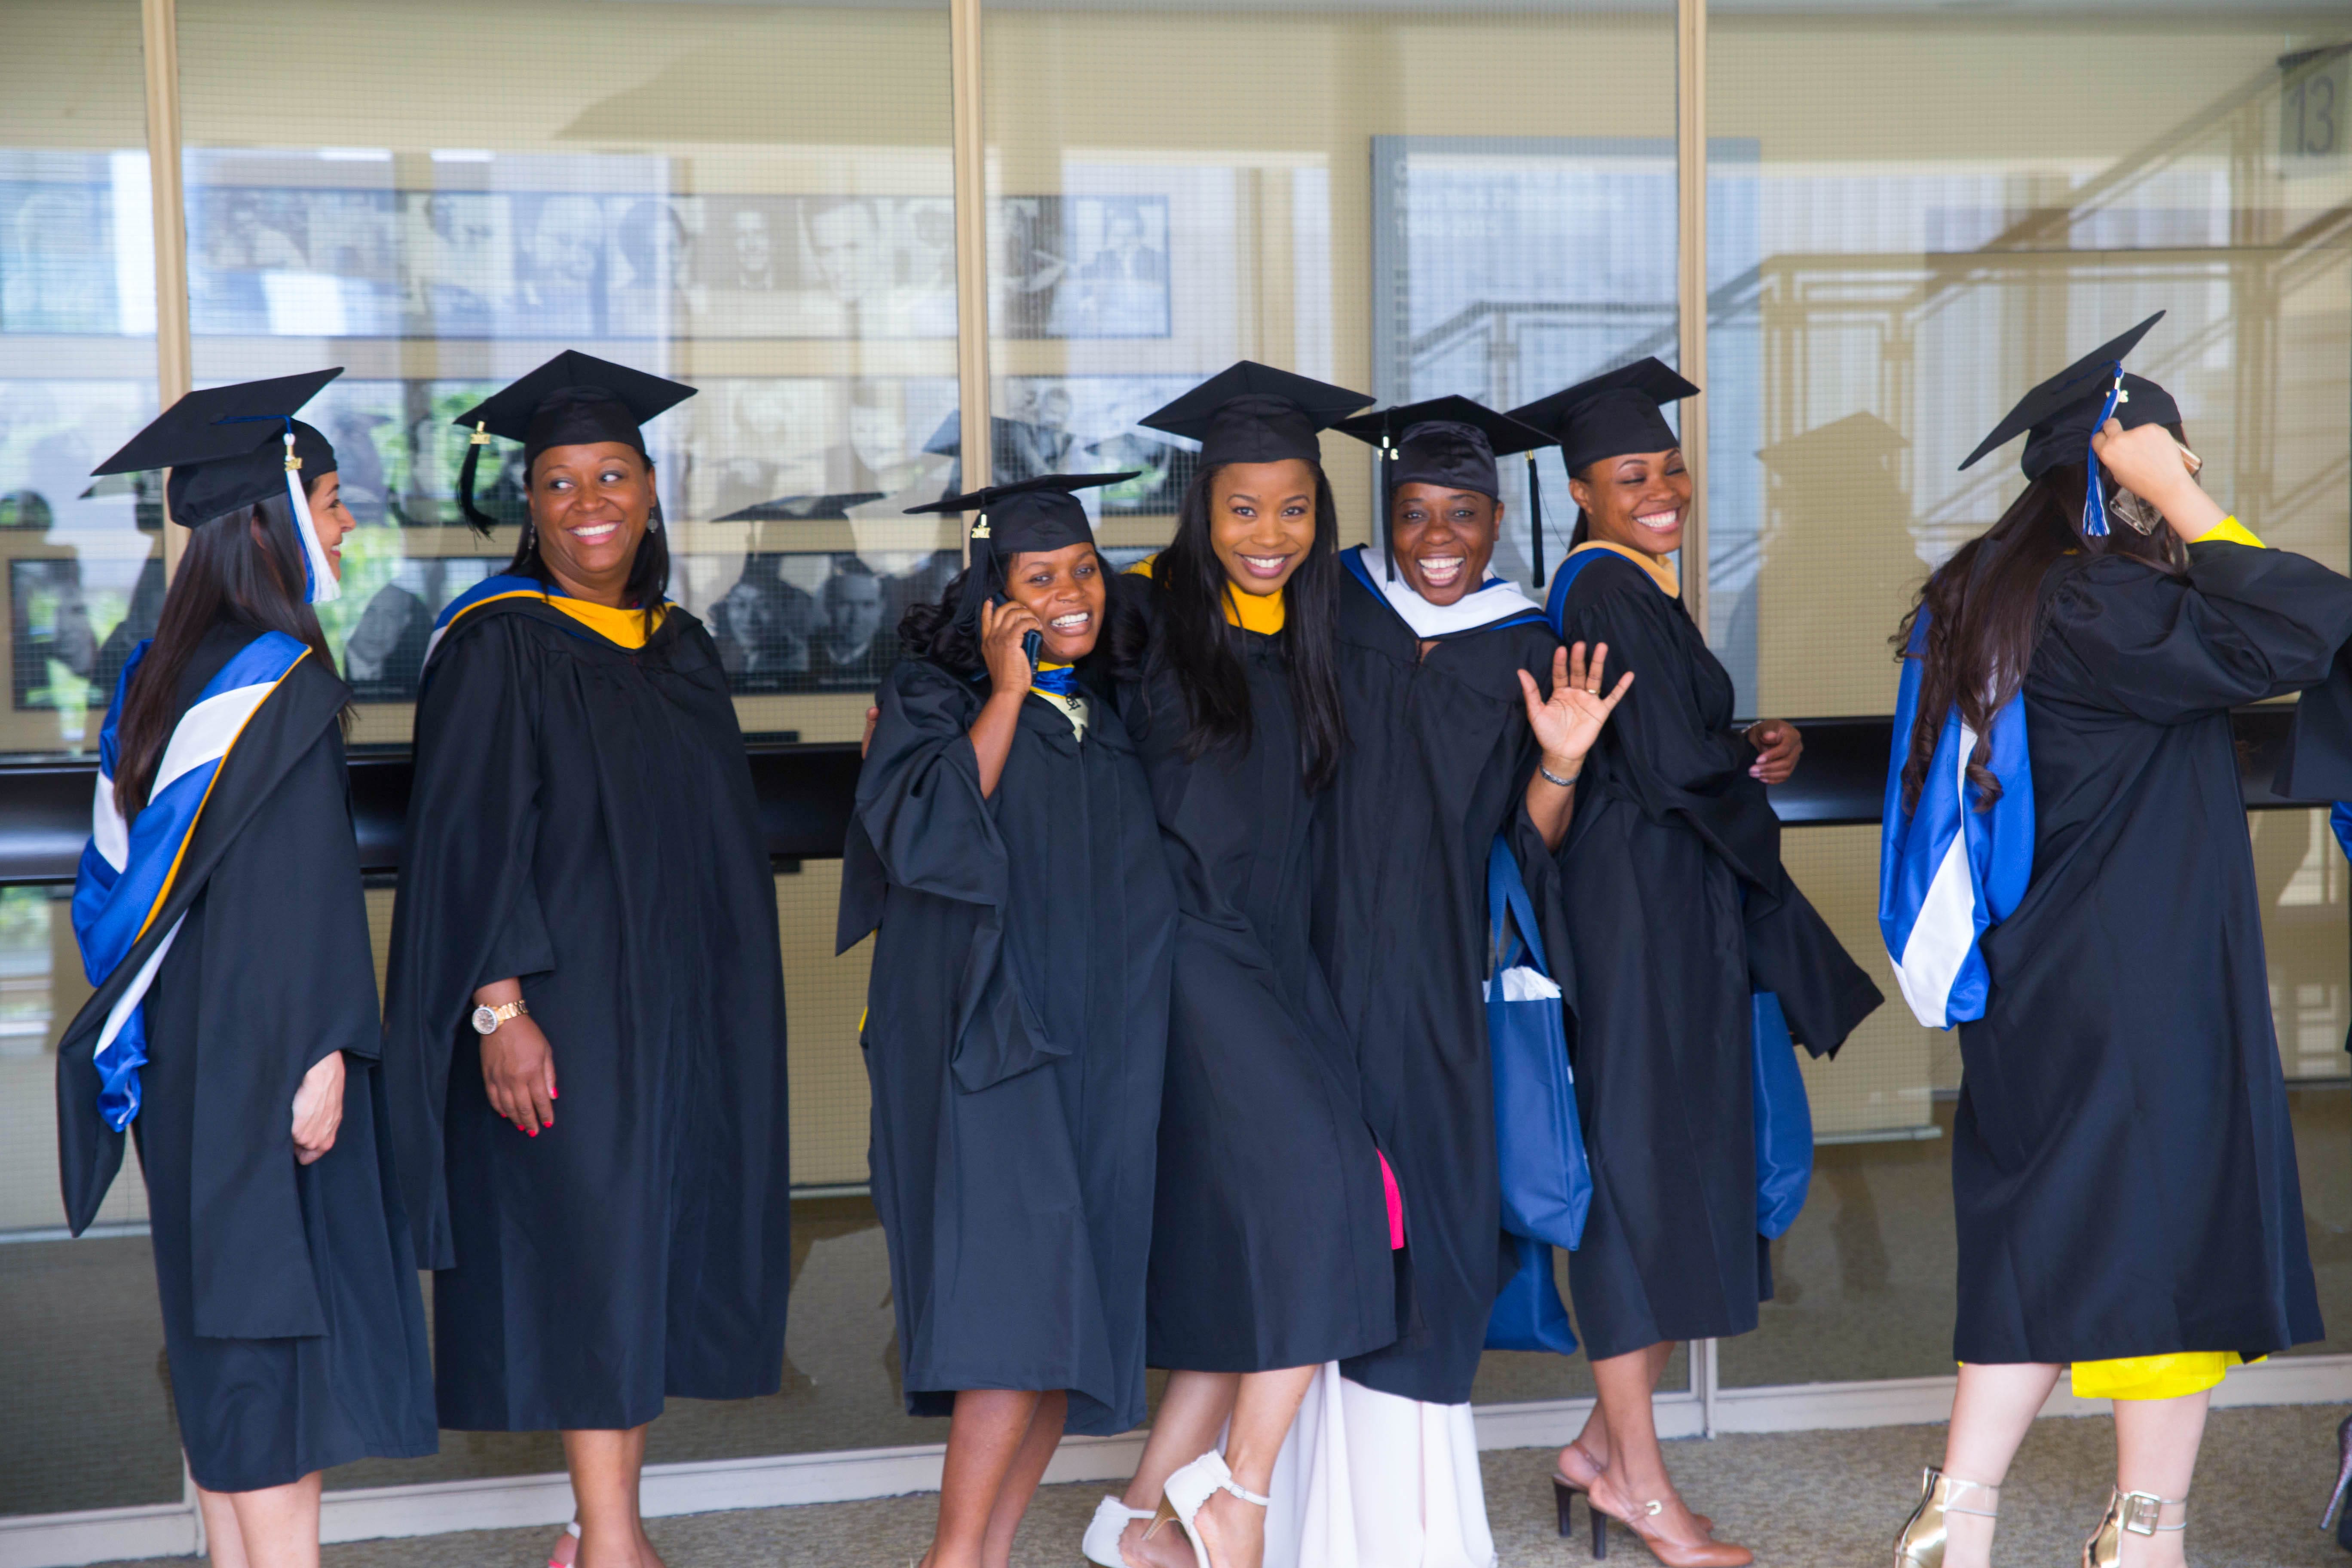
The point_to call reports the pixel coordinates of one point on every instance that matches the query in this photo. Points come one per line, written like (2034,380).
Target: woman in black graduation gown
(1450,742)
(1271,1235)
(586,906)
(2123,1166)
(291,1318)
(1017,1017)
(1676,908)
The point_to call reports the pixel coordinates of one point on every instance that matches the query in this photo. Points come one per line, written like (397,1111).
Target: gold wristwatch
(487,1019)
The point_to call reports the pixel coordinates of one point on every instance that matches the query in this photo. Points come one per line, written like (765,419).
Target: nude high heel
(1705,1552)
(2136,1513)
(1920,1542)
(1566,1489)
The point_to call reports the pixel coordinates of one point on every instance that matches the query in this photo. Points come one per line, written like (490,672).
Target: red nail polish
(552,1095)
(534,1132)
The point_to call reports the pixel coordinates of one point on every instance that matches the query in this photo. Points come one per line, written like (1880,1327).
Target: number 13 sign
(2315,103)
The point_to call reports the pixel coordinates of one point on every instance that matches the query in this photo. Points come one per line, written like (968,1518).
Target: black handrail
(805,791)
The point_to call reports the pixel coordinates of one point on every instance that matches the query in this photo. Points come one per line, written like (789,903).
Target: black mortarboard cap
(1252,413)
(226,446)
(1042,513)
(1610,414)
(572,400)
(802,509)
(2058,416)
(1451,442)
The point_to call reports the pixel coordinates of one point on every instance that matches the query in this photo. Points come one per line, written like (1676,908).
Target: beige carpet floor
(1800,1499)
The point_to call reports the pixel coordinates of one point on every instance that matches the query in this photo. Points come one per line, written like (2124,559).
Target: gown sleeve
(918,799)
(469,910)
(2241,625)
(921,819)
(1663,750)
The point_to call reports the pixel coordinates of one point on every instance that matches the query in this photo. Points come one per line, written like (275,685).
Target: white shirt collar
(1497,599)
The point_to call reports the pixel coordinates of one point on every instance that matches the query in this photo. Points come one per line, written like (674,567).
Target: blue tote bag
(1784,1121)
(1529,1315)
(1546,1186)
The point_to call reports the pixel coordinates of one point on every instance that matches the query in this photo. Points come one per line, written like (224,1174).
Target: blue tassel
(2094,494)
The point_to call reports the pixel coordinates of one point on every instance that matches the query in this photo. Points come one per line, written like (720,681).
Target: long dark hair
(1193,639)
(224,573)
(935,631)
(649,582)
(1983,609)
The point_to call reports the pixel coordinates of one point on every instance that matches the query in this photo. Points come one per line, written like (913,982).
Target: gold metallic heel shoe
(2136,1513)
(1920,1543)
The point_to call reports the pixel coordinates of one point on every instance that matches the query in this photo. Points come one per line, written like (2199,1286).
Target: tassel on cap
(1535,526)
(481,520)
(2094,493)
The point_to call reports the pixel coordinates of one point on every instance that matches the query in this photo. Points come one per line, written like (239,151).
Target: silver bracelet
(1555,778)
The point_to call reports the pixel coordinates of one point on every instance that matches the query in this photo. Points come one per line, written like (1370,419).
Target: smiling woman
(586,903)
(1678,906)
(1004,848)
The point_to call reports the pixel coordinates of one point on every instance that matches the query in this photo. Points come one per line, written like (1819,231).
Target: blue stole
(127,868)
(1947,871)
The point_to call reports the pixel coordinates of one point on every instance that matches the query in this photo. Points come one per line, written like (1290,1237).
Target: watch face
(485,1021)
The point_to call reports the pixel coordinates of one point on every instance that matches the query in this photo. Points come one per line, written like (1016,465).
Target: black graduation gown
(292,1323)
(1678,909)
(1439,755)
(2123,1167)
(1015,1037)
(583,818)
(1269,1240)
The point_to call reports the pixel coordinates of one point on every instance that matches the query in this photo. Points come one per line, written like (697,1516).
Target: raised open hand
(1568,724)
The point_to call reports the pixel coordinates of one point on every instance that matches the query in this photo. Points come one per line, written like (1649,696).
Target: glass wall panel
(1409,202)
(80,1340)
(753,198)
(77,360)
(1956,220)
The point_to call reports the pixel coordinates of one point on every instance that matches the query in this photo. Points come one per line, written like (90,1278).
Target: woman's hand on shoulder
(1570,721)
(1001,628)
(1777,746)
(319,1108)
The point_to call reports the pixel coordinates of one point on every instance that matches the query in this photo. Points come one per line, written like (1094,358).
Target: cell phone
(1031,643)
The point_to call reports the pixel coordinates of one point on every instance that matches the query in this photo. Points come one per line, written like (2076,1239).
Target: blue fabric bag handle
(1529,1314)
(1784,1121)
(1546,1184)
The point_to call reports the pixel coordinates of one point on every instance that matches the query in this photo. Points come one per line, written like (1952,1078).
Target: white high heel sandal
(1189,1491)
(1110,1521)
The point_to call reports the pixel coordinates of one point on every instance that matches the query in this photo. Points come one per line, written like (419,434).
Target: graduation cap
(1042,513)
(1450,442)
(802,509)
(1252,413)
(1610,414)
(232,447)
(572,400)
(2059,418)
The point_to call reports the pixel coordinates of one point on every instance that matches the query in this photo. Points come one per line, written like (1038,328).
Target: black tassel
(481,520)
(1535,512)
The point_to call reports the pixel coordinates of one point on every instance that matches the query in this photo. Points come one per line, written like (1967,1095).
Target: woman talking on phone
(2123,1168)
(1004,848)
